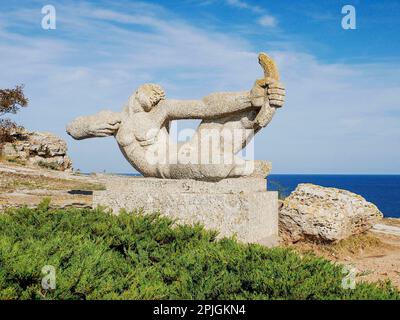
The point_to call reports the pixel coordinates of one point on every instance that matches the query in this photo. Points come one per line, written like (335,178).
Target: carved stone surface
(238,207)
(325,214)
(229,119)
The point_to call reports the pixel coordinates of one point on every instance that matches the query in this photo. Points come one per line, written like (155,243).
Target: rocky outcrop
(322,214)
(37,148)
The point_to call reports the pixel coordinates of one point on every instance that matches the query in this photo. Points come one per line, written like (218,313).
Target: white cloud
(96,63)
(338,118)
(267,21)
(244,5)
(335,120)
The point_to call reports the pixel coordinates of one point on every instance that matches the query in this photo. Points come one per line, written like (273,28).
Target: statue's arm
(102,124)
(214,105)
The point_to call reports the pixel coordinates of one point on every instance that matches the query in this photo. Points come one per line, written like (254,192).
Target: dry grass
(358,244)
(10,182)
(11,160)
(352,246)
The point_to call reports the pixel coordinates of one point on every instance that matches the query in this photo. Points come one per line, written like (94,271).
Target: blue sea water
(382,190)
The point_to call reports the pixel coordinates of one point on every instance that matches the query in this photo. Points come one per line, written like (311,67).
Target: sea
(382,190)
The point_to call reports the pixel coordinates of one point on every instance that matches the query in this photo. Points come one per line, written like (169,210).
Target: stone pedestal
(237,206)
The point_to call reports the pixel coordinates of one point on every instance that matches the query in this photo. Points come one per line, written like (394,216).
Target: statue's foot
(251,168)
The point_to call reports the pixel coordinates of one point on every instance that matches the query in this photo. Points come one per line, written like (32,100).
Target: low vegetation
(97,255)
(12,160)
(10,182)
(48,165)
(353,246)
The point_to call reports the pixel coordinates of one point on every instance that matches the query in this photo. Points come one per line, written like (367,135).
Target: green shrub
(97,255)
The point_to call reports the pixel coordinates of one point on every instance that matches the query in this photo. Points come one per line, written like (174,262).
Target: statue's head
(146,97)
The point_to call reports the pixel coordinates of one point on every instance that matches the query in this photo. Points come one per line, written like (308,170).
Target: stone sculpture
(229,118)
(209,190)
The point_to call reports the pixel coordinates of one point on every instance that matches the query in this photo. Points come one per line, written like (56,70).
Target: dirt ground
(27,186)
(375,256)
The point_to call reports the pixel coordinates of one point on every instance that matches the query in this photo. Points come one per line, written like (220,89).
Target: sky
(342,113)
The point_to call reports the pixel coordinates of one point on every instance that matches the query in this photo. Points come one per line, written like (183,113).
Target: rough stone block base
(240,207)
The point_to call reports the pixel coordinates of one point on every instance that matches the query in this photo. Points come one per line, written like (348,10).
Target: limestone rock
(325,214)
(38,148)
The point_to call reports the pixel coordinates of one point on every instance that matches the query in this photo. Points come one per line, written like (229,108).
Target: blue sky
(343,86)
